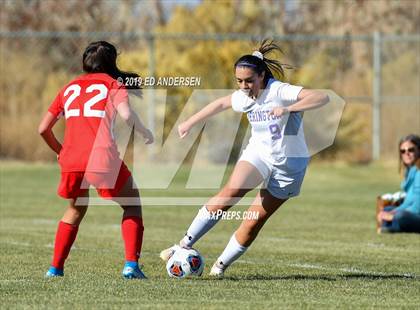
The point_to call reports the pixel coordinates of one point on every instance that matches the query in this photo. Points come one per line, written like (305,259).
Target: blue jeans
(403,221)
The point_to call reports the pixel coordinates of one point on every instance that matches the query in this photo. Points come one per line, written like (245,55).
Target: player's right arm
(45,130)
(209,110)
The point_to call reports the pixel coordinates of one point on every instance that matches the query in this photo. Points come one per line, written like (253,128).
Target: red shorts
(108,185)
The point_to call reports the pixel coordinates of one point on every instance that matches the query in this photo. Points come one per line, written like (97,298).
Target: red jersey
(88,104)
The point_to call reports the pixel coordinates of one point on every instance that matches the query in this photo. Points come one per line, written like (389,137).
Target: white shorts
(283,178)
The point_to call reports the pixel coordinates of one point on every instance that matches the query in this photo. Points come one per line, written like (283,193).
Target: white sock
(231,253)
(202,223)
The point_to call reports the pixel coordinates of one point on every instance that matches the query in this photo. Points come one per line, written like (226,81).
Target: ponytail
(259,62)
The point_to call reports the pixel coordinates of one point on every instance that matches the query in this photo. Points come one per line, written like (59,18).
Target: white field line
(41,221)
(16,280)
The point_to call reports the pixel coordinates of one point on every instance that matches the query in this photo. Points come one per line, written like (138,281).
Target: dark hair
(266,65)
(415,139)
(101,57)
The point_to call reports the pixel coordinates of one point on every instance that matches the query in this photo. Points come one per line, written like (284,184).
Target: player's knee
(75,214)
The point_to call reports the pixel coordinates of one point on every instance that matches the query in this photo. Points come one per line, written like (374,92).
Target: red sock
(64,238)
(132,233)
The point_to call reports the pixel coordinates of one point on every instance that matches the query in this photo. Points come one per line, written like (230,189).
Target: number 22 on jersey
(88,111)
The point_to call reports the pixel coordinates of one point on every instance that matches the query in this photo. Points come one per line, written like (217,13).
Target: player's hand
(58,154)
(279,111)
(148,136)
(386,216)
(183,129)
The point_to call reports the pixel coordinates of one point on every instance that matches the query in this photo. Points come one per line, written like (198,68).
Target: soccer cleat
(216,271)
(54,272)
(131,271)
(167,253)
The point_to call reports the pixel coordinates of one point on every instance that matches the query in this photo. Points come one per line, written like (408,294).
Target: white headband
(258,54)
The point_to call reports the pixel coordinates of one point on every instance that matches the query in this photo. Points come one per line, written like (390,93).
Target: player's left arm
(307,99)
(45,130)
(132,119)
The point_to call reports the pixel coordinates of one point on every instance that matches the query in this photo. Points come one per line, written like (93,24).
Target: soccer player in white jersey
(276,154)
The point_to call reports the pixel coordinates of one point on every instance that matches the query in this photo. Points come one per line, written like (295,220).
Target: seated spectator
(401,211)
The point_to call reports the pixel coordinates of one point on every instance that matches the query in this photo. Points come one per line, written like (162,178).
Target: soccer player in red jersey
(89,154)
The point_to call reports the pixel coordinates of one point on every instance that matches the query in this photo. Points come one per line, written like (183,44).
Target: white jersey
(276,139)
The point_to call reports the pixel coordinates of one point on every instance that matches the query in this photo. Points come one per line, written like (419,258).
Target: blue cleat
(54,272)
(132,271)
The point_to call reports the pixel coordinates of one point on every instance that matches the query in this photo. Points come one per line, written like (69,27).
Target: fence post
(376,105)
(152,72)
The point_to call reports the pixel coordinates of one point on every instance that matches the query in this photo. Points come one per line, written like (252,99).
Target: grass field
(319,251)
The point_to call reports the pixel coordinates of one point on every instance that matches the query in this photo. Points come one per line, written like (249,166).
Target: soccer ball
(184,263)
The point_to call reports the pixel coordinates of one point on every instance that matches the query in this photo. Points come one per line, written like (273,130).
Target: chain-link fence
(377,75)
